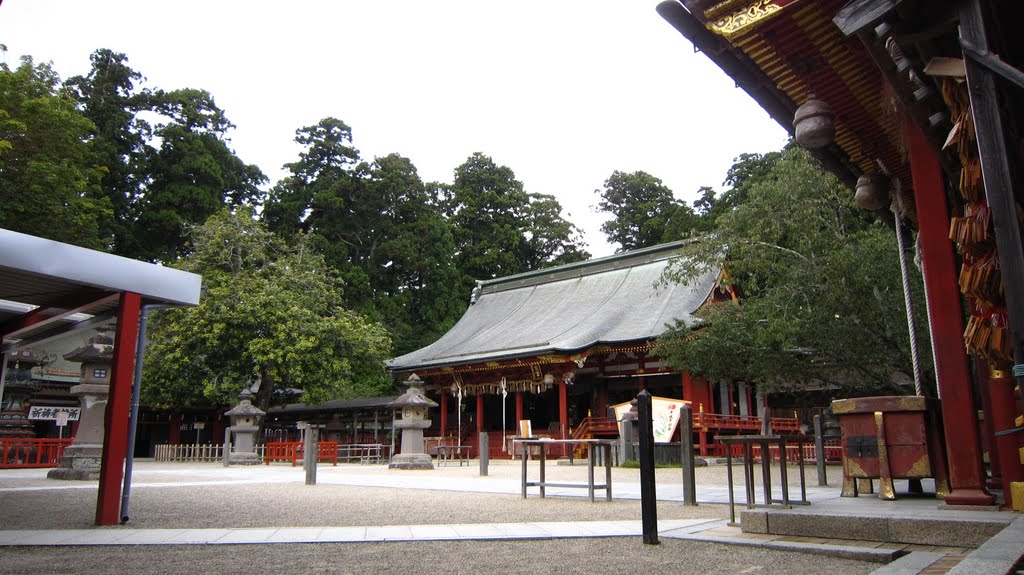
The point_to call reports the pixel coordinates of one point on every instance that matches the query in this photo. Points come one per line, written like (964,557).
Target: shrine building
(559,346)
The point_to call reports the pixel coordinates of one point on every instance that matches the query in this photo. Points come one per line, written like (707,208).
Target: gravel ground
(297,505)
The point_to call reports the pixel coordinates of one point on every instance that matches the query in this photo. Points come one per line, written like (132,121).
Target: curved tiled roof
(567,308)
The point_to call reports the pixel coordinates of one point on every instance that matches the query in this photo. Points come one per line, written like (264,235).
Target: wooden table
(449,452)
(765,442)
(592,445)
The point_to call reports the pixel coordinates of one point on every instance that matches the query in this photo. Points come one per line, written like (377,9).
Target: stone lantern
(82,459)
(245,422)
(413,406)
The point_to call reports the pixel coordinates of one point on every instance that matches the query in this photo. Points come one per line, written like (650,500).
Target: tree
(109,97)
(411,268)
(642,208)
(379,226)
(49,180)
(165,158)
(820,283)
(271,315)
(550,238)
(502,230)
(191,176)
(746,171)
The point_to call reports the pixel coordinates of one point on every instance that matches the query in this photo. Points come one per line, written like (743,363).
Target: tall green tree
(49,179)
(190,176)
(412,270)
(550,238)
(643,209)
(820,282)
(271,315)
(502,230)
(379,225)
(747,170)
(165,156)
(109,97)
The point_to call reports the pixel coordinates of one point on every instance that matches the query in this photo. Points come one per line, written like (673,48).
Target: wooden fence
(31,452)
(192,452)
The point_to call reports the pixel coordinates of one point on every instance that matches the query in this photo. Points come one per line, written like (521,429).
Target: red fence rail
(31,452)
(329,451)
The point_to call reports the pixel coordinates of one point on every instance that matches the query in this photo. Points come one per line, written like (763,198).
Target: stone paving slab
(490,531)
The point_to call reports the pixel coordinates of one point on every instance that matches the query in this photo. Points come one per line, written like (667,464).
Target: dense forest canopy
(313,280)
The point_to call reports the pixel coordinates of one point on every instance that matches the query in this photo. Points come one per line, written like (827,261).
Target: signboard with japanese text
(52,413)
(664,411)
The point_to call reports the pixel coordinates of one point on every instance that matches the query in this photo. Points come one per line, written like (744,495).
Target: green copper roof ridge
(597,265)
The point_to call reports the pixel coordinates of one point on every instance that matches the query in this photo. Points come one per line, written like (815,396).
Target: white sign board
(50,413)
(664,412)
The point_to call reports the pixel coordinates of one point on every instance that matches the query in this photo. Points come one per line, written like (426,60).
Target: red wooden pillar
(174,429)
(563,412)
(988,442)
(444,413)
(519,410)
(959,415)
(601,401)
(1003,414)
(115,419)
(480,422)
(696,392)
(218,431)
(479,412)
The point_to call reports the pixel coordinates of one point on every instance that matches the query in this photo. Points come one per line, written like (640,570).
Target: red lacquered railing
(31,452)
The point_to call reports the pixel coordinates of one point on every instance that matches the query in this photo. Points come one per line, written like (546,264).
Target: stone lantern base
(243,458)
(411,461)
(78,463)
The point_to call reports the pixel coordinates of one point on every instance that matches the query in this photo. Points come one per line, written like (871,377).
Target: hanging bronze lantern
(814,123)
(872,191)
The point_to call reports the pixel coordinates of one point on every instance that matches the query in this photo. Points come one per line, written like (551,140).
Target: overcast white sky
(563,92)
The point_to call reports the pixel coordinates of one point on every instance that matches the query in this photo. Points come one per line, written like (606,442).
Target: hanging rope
(504,394)
(915,357)
(459,411)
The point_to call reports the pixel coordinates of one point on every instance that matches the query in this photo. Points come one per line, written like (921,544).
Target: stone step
(955,531)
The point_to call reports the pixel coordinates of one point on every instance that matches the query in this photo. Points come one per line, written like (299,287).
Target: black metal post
(686,443)
(648,494)
(133,414)
(819,450)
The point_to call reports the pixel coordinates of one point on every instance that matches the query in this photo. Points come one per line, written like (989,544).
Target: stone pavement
(898,558)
